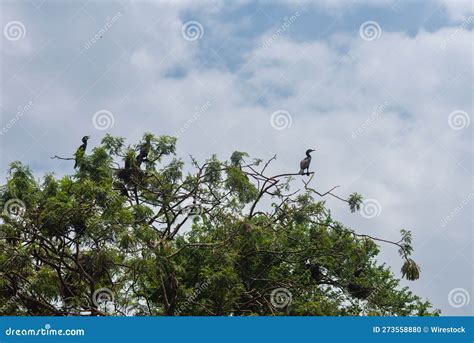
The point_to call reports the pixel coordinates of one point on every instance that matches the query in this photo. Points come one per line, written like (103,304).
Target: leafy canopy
(133,231)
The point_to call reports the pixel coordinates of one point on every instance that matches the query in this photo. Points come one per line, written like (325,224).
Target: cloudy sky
(382,89)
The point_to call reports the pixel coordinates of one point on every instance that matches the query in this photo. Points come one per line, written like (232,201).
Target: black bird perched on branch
(143,154)
(81,151)
(305,162)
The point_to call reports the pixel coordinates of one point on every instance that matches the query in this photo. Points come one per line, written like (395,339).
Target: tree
(143,236)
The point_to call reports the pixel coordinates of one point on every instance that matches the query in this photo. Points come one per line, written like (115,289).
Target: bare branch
(62,158)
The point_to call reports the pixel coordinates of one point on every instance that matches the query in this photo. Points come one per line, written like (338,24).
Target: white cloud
(142,59)
(458,10)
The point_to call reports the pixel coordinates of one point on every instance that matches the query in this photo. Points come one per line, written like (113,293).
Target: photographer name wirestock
(46,331)
(438,329)
(418,329)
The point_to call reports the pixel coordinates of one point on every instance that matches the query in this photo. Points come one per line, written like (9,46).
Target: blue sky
(383,89)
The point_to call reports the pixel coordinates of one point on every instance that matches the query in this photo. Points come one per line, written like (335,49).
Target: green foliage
(355,200)
(130,231)
(113,144)
(238,182)
(405,243)
(410,270)
(213,173)
(237,158)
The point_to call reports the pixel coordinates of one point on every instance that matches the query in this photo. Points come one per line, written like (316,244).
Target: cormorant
(358,272)
(81,150)
(143,154)
(305,162)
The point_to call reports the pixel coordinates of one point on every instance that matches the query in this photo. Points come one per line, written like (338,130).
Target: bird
(305,162)
(143,154)
(80,151)
(358,272)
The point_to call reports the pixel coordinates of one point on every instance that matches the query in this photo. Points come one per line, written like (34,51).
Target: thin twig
(63,158)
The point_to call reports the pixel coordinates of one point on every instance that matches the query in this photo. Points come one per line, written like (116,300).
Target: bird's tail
(301,171)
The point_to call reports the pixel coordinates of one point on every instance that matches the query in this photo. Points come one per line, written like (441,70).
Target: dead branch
(62,158)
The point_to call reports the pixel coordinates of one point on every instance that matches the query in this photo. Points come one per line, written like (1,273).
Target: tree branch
(62,158)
